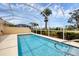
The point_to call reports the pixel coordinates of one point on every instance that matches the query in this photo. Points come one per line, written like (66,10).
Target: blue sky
(23,14)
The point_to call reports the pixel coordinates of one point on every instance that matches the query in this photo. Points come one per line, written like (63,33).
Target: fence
(68,35)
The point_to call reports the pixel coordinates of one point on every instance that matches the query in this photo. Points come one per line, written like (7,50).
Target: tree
(74,17)
(70,27)
(33,25)
(46,12)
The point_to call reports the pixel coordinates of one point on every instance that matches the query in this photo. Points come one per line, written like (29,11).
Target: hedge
(71,35)
(59,34)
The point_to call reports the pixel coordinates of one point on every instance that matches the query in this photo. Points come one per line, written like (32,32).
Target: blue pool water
(33,45)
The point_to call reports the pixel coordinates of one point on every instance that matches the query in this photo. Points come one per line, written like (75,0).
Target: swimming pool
(33,45)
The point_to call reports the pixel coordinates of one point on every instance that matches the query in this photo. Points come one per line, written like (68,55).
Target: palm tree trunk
(46,20)
(45,24)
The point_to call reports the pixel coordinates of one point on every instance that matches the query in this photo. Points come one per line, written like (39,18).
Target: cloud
(59,13)
(28,12)
(15,21)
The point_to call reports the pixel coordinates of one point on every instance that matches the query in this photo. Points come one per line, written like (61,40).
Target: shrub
(77,35)
(70,35)
(45,32)
(38,32)
(59,34)
(53,33)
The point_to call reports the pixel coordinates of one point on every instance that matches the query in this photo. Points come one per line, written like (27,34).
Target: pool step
(74,51)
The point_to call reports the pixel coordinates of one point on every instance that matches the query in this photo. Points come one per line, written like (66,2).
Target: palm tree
(46,12)
(33,25)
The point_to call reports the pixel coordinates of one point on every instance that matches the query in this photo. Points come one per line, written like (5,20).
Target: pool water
(33,45)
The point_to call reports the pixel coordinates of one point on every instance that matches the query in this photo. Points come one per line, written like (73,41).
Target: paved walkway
(8,45)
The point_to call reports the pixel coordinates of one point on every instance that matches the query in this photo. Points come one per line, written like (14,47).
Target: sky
(25,13)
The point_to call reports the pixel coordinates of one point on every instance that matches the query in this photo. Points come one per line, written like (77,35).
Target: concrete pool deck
(8,45)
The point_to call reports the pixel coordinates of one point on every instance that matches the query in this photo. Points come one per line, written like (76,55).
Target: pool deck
(8,45)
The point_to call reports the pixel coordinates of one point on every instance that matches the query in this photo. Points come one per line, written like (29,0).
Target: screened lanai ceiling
(23,13)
